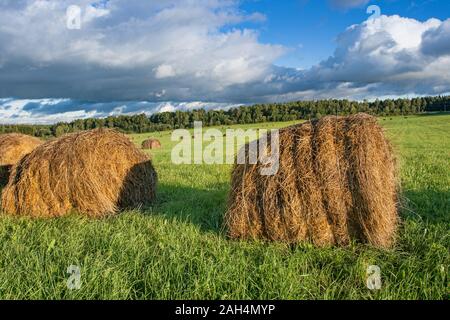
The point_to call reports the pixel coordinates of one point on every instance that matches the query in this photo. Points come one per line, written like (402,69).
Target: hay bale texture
(94,172)
(13,146)
(151,144)
(336,183)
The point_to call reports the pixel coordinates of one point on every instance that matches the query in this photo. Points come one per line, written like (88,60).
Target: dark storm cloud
(176,55)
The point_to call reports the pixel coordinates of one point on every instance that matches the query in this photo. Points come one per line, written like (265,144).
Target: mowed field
(177,249)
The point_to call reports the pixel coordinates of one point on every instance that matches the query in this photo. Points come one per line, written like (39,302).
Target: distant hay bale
(336,182)
(94,172)
(13,146)
(151,144)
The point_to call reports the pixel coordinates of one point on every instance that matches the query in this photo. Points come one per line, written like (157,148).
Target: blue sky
(133,56)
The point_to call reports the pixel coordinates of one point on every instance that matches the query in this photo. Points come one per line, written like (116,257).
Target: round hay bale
(151,144)
(94,172)
(336,183)
(13,146)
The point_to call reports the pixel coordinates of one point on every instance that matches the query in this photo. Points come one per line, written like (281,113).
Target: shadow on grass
(434,113)
(427,205)
(204,208)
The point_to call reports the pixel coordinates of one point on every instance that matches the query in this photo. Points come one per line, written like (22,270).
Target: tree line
(270,112)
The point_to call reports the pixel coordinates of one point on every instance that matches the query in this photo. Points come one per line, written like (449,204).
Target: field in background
(177,249)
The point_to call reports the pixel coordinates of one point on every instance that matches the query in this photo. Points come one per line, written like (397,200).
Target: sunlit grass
(177,249)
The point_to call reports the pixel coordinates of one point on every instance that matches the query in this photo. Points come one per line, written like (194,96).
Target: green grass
(177,248)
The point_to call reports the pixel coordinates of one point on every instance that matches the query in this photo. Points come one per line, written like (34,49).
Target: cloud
(147,56)
(47,111)
(387,53)
(164,71)
(390,55)
(141,47)
(436,41)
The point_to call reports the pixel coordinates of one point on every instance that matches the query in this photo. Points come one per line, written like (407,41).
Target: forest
(257,113)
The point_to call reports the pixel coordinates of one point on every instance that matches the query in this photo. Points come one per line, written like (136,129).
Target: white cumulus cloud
(174,54)
(164,71)
(136,46)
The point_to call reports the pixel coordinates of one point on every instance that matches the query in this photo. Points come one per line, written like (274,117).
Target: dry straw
(13,146)
(151,144)
(95,173)
(336,183)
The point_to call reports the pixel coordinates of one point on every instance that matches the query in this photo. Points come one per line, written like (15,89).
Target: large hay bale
(13,146)
(151,144)
(336,182)
(94,172)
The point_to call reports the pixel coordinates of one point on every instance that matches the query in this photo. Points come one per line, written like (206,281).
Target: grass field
(177,248)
